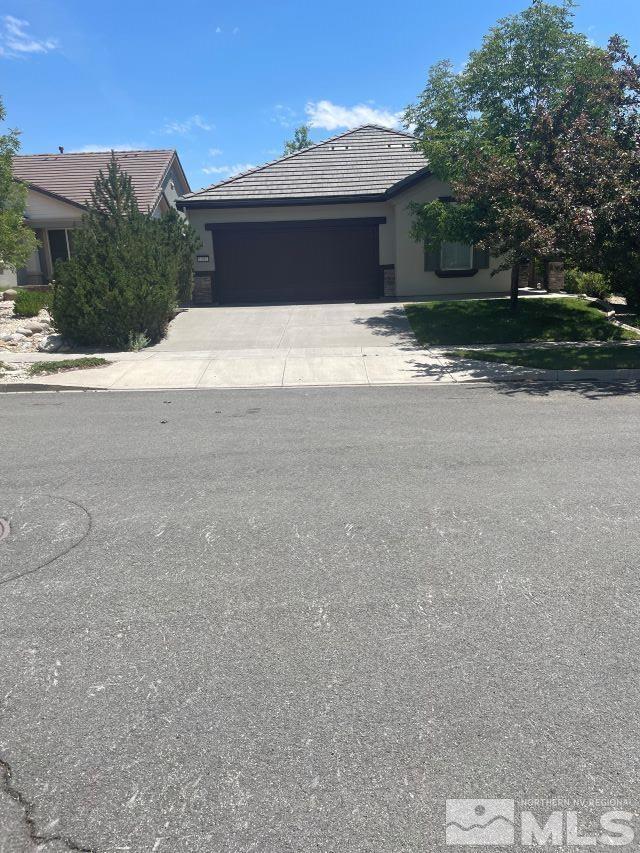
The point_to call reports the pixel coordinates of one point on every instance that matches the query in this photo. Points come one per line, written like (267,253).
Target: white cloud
(330,116)
(218,30)
(214,152)
(228,171)
(17,43)
(235,31)
(194,122)
(284,116)
(88,149)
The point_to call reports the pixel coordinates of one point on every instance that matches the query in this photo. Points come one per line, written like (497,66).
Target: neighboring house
(60,186)
(329,222)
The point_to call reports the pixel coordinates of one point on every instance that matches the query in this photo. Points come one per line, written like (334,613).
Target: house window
(456,256)
(59,245)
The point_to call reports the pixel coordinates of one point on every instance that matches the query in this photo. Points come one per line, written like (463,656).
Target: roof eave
(50,194)
(409,181)
(190,203)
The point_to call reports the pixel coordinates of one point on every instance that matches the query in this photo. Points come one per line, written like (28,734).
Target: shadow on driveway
(391,323)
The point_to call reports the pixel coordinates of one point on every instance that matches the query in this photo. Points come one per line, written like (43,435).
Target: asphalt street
(298,620)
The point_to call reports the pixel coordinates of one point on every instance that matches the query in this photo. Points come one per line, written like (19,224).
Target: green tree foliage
(122,280)
(608,155)
(300,140)
(183,242)
(488,131)
(17,240)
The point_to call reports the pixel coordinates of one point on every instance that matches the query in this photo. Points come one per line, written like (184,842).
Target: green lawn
(559,358)
(491,321)
(629,319)
(39,367)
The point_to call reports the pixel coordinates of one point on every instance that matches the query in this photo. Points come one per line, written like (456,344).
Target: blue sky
(225,83)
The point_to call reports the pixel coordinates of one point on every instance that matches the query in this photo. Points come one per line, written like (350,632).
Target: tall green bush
(122,280)
(183,242)
(589,283)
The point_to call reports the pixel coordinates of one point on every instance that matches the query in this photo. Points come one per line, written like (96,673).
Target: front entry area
(302,261)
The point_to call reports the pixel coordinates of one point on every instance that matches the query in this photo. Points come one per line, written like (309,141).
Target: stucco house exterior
(330,222)
(59,188)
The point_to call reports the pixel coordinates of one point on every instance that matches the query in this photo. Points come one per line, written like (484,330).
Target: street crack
(51,560)
(28,809)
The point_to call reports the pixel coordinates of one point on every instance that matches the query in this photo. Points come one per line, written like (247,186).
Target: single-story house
(60,186)
(331,222)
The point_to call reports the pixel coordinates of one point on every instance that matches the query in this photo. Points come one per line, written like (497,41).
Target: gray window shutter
(432,259)
(481,259)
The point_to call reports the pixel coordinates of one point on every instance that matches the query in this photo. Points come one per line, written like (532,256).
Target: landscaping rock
(23,330)
(6,337)
(7,365)
(51,343)
(33,326)
(10,295)
(17,337)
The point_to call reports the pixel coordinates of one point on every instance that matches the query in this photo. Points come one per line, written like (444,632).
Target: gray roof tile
(366,162)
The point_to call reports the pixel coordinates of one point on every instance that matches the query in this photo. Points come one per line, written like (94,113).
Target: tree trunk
(545,275)
(515,280)
(532,272)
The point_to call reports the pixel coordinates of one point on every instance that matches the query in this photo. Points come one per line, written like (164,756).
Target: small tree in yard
(300,141)
(17,240)
(504,132)
(122,281)
(184,242)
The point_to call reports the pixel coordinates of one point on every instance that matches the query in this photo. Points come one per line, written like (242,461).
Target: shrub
(29,303)
(588,283)
(182,242)
(121,283)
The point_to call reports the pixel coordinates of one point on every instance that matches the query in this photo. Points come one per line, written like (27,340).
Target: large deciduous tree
(17,240)
(608,154)
(501,132)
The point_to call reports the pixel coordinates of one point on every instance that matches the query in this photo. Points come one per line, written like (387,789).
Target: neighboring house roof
(370,163)
(70,177)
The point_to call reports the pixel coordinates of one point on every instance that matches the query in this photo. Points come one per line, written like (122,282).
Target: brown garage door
(296,261)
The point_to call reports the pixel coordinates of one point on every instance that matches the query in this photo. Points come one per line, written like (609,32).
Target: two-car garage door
(296,261)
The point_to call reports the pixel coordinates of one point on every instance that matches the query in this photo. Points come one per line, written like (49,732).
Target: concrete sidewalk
(267,368)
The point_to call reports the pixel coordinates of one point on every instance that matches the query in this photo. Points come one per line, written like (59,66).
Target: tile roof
(71,176)
(366,163)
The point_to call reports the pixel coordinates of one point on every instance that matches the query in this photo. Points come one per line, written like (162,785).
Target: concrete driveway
(283,327)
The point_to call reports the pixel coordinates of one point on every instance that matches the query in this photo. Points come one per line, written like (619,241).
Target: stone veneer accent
(555,276)
(389,280)
(524,273)
(202,288)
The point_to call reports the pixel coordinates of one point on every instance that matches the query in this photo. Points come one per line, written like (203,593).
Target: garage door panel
(290,263)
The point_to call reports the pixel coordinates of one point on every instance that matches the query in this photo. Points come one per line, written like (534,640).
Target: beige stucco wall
(8,278)
(411,278)
(41,209)
(396,245)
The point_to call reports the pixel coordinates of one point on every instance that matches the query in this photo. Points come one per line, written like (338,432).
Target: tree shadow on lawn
(539,383)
